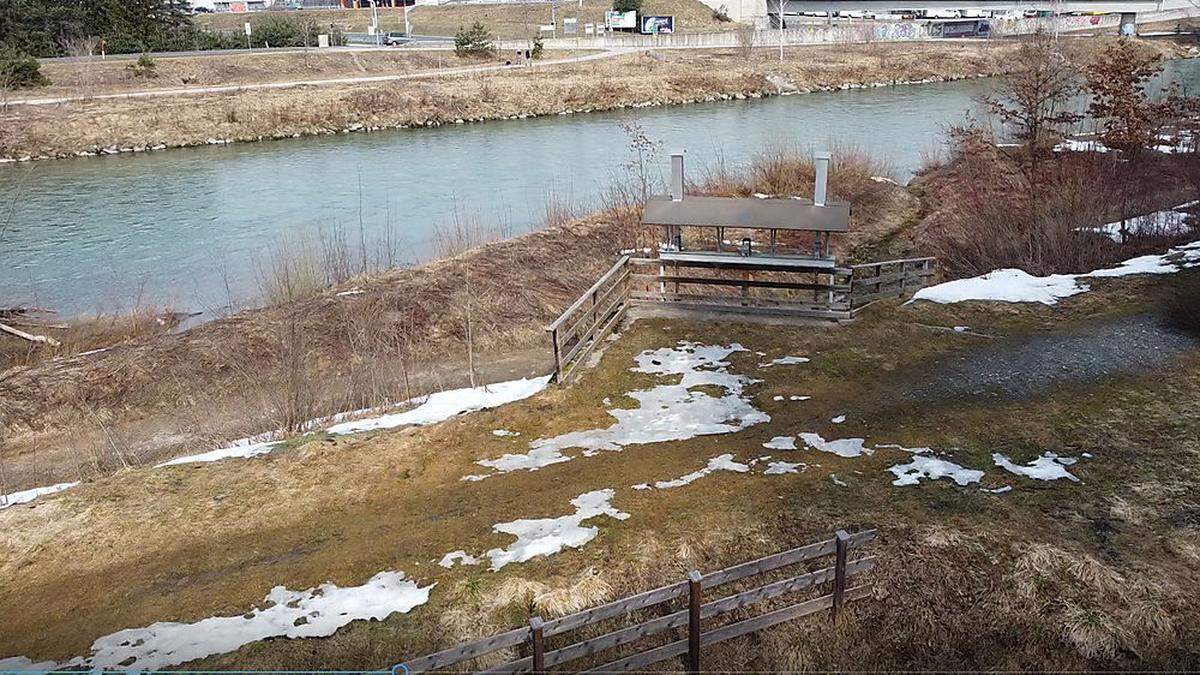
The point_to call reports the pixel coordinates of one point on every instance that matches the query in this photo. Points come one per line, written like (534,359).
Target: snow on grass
(844,447)
(839,419)
(430,410)
(719,463)
(18,664)
(799,398)
(776,468)
(838,481)
(443,405)
(239,449)
(547,536)
(316,612)
(1014,285)
(781,443)
(26,496)
(933,468)
(1078,145)
(460,555)
(504,432)
(667,412)
(1006,285)
(1047,467)
(998,491)
(784,361)
(1168,222)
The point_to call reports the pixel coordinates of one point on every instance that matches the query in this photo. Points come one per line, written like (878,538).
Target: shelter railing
(577,331)
(889,279)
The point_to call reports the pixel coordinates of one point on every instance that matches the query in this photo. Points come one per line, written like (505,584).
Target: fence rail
(889,279)
(577,331)
(534,636)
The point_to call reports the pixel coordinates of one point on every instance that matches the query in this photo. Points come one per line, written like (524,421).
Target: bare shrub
(747,34)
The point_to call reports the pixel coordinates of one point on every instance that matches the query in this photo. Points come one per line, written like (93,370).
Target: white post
(822,178)
(677,177)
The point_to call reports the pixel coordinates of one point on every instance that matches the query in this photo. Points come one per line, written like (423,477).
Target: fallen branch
(28,336)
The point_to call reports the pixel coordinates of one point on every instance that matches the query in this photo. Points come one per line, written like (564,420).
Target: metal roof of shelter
(748,212)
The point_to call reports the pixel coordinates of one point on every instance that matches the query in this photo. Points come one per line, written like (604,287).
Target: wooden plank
(589,339)
(841,538)
(615,608)
(767,311)
(643,659)
(596,339)
(752,283)
(755,263)
(584,319)
(738,300)
(911,275)
(785,586)
(588,293)
(449,657)
(892,262)
(779,616)
(783,559)
(695,596)
(734,304)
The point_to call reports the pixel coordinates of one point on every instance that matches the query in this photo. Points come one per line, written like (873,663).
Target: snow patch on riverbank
(667,412)
(26,496)
(547,536)
(933,468)
(1014,285)
(316,612)
(1047,467)
(719,463)
(843,447)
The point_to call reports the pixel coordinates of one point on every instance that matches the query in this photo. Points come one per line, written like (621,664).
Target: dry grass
(84,334)
(662,77)
(1042,577)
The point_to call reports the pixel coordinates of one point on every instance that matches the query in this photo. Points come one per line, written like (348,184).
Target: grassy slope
(505,21)
(1030,579)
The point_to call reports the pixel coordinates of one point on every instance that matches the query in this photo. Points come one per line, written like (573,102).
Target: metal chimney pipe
(822,182)
(677,177)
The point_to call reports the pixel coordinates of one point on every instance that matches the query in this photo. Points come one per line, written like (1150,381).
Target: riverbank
(633,80)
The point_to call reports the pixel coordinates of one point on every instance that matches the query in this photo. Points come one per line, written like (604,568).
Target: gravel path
(1126,345)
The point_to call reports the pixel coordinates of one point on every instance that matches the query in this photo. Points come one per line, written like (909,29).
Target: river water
(189,228)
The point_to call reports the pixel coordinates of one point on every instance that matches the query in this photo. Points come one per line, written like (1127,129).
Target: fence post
(842,541)
(557,356)
(694,600)
(539,648)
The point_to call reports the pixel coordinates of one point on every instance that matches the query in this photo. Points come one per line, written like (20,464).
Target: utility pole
(781,31)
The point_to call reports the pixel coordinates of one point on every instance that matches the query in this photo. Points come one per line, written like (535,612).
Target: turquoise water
(190,227)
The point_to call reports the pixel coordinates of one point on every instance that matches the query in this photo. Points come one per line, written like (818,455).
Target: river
(189,228)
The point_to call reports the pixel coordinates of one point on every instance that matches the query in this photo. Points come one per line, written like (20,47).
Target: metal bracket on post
(694,599)
(841,543)
(539,647)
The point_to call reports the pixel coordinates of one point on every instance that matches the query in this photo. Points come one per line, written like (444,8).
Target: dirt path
(1086,354)
(325,82)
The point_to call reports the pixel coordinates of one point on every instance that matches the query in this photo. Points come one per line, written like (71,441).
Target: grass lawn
(1097,573)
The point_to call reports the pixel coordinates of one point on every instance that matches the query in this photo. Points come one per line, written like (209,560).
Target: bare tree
(1034,101)
(84,50)
(747,34)
(1117,82)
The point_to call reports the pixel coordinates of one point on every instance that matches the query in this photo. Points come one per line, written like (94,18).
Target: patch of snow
(353,291)
(799,398)
(1006,285)
(26,496)
(998,491)
(22,664)
(641,486)
(719,463)
(459,556)
(933,468)
(240,449)
(1168,222)
(1045,467)
(776,398)
(446,404)
(845,447)
(317,612)
(839,419)
(667,412)
(1085,455)
(547,536)
(776,468)
(1078,145)
(505,432)
(785,361)
(961,329)
(781,443)
(837,481)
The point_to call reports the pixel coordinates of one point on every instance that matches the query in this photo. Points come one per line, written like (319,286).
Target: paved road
(422,41)
(188,91)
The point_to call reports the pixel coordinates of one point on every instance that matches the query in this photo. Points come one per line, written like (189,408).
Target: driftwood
(28,336)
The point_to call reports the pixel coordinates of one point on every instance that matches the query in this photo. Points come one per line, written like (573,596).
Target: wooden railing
(532,639)
(577,331)
(889,279)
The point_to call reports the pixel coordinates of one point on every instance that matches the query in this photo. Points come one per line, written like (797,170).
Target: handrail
(584,296)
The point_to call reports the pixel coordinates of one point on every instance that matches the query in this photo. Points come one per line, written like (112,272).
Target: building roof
(748,212)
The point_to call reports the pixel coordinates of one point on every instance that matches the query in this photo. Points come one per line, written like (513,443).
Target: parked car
(394,39)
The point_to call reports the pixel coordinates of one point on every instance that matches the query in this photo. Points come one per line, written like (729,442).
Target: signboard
(658,25)
(570,25)
(247,29)
(546,28)
(614,19)
(589,29)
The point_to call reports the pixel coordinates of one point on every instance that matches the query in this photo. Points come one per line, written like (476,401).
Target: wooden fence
(759,284)
(532,639)
(889,279)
